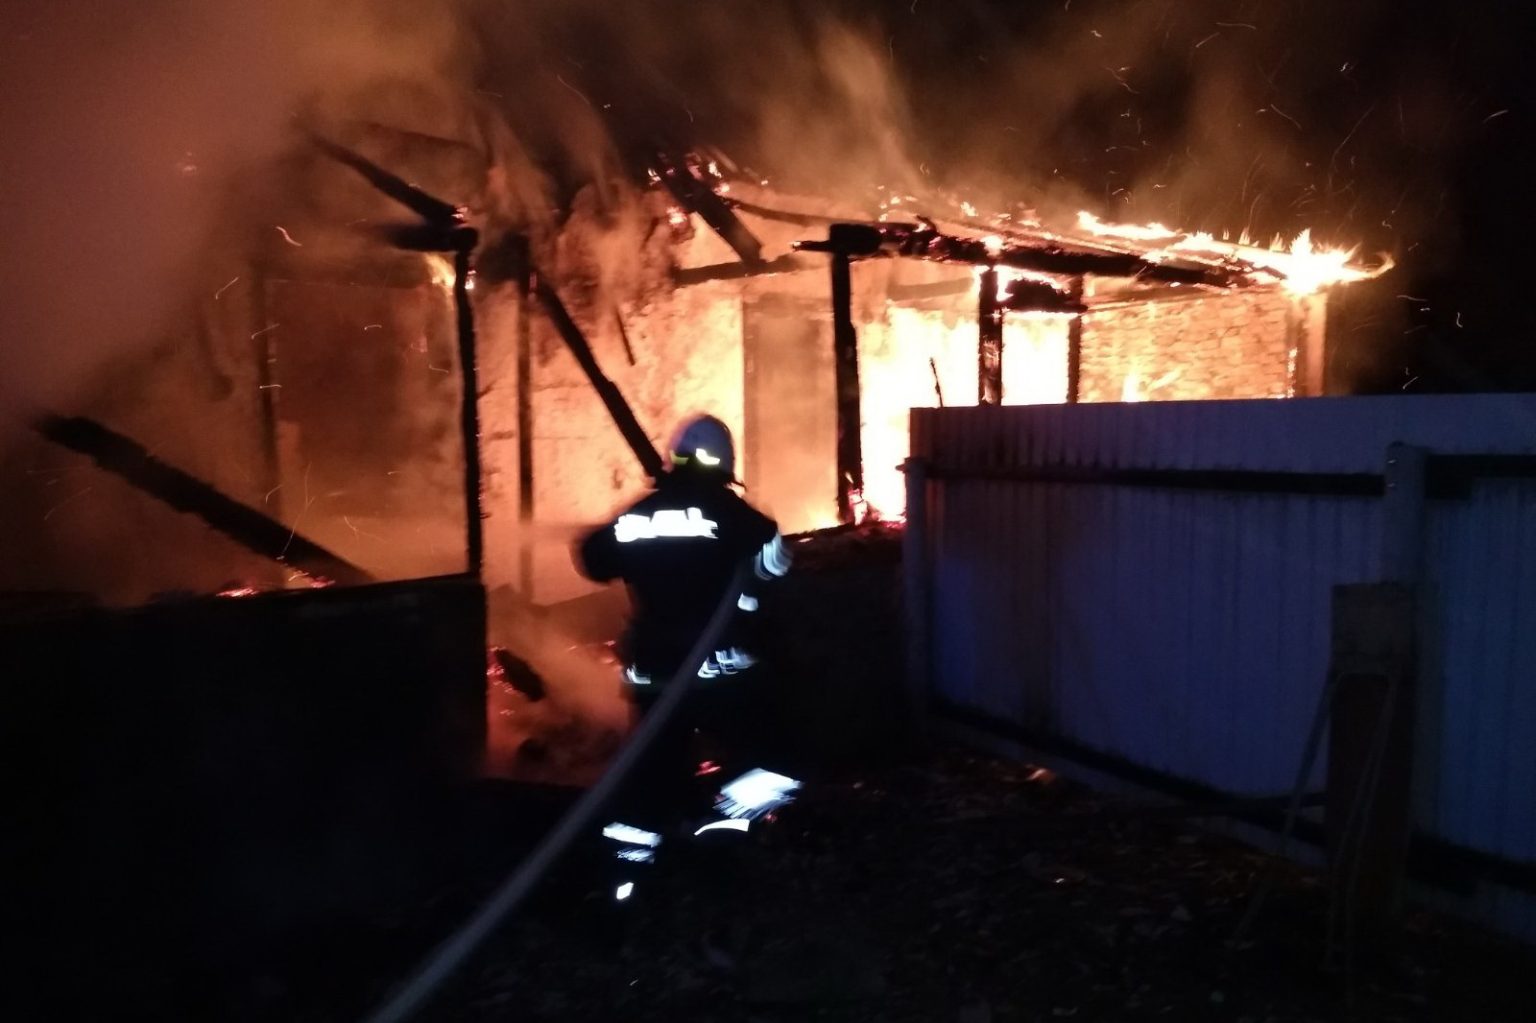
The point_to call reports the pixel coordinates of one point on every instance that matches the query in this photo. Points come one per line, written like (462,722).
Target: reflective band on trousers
(774,559)
(755,793)
(726,662)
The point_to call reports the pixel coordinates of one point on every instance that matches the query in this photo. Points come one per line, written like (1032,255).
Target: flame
(912,354)
(1302,267)
(440,268)
(1131,389)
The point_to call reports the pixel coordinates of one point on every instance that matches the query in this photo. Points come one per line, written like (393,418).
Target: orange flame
(1302,267)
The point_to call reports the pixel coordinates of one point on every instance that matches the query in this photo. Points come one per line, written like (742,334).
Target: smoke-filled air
(135,133)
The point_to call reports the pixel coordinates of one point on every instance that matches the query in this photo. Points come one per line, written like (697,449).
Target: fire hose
(578,820)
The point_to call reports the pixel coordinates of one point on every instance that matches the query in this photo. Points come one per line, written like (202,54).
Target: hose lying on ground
(578,820)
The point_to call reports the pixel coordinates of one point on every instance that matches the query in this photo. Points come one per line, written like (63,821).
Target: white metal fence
(1152,583)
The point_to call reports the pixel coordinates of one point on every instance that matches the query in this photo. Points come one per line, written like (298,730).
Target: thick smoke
(1392,126)
(128,125)
(1208,113)
(128,129)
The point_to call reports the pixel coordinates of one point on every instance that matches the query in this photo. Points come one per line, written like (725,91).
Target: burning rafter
(925,241)
(698,197)
(1300,267)
(1151,252)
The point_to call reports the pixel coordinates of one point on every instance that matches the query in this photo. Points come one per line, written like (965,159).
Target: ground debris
(885,899)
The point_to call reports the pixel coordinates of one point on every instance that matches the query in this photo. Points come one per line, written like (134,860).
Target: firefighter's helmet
(704,443)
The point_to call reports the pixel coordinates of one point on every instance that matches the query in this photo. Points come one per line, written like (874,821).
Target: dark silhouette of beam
(129,460)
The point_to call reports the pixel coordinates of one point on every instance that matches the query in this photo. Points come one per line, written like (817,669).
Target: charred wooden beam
(922,241)
(253,530)
(686,276)
(428,207)
(989,342)
(845,242)
(697,197)
(469,406)
(1039,297)
(623,416)
(845,346)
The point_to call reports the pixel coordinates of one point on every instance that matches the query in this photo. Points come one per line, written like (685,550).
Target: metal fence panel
(1187,631)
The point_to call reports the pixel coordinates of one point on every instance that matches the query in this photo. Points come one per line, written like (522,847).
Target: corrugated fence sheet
(1126,577)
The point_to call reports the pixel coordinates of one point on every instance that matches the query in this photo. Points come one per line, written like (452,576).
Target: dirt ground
(972,889)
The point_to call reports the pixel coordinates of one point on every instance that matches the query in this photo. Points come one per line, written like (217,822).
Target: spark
(287,237)
(573,88)
(1285,115)
(1207,39)
(270,387)
(358,532)
(1351,135)
(374,326)
(1490,117)
(1410,382)
(220,293)
(62,503)
(297,519)
(1117,75)
(264,330)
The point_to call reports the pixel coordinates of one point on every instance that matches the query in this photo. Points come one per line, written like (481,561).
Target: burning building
(329,362)
(795,318)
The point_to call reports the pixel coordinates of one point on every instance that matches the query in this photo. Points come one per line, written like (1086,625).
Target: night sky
(1394,125)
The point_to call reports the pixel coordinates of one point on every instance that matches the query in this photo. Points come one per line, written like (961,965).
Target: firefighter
(678,550)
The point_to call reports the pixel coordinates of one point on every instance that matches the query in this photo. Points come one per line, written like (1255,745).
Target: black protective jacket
(677,549)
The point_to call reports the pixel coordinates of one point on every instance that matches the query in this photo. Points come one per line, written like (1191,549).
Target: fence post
(914,569)
(1370,752)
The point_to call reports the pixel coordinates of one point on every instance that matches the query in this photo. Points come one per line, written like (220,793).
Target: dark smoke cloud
(1211,113)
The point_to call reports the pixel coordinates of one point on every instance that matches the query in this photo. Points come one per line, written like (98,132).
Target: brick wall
(1233,345)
